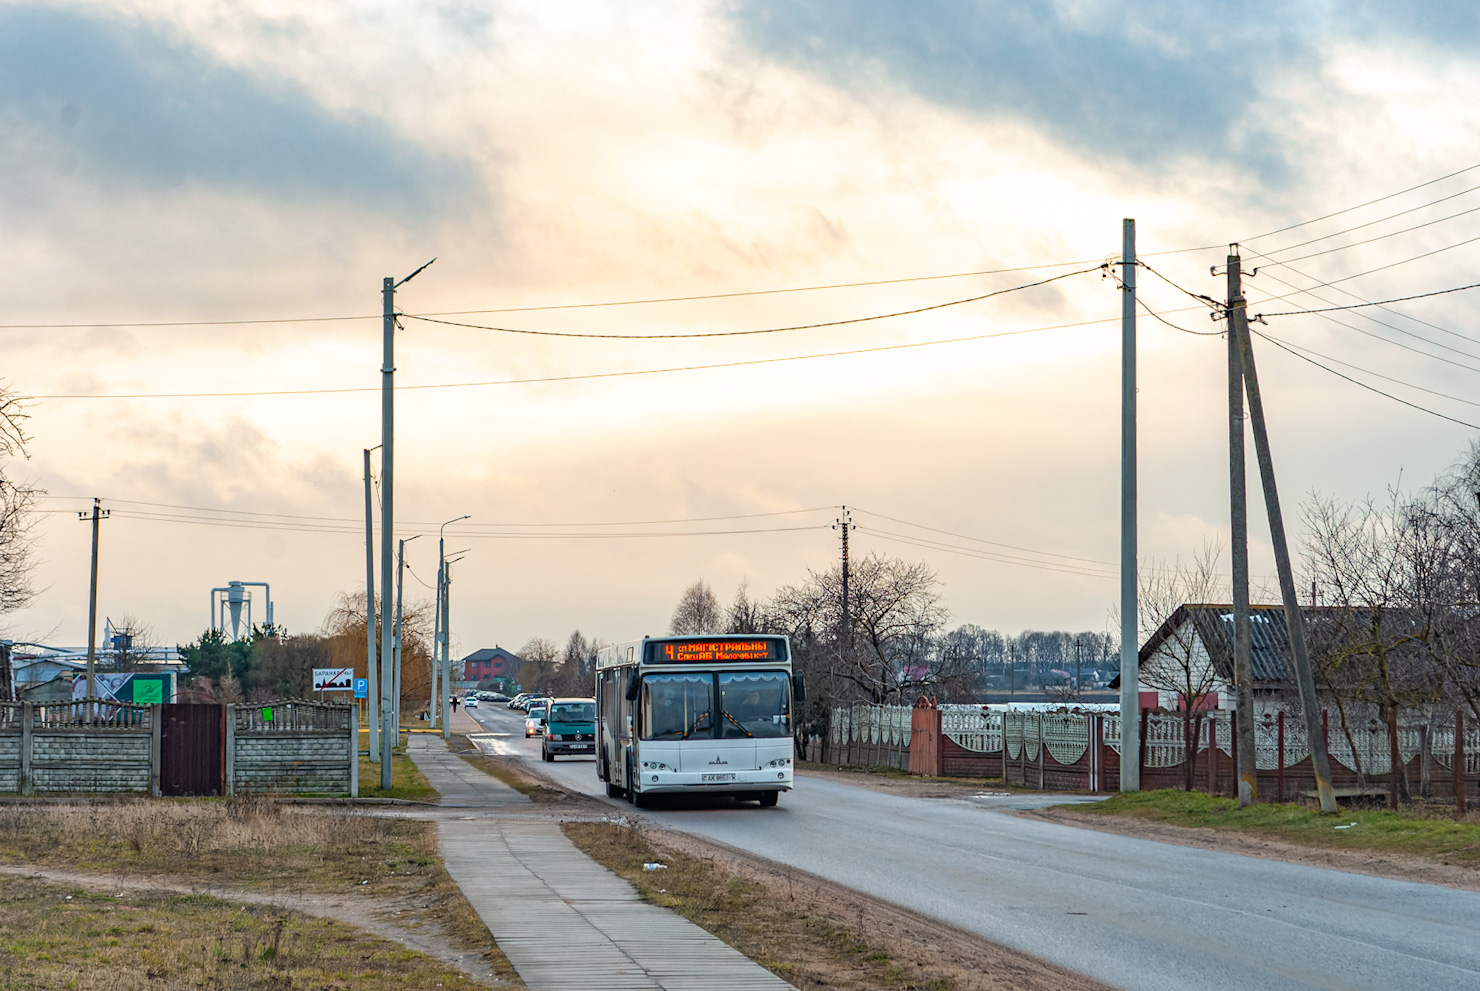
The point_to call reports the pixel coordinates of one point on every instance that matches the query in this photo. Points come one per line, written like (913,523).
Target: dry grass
(254,843)
(795,938)
(251,841)
(55,936)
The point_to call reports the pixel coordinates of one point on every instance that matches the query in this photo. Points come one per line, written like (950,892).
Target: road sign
(333,679)
(362,688)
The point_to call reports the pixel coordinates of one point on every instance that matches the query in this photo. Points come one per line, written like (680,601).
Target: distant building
(491,664)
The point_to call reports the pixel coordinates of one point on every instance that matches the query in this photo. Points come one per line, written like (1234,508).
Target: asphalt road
(1133,913)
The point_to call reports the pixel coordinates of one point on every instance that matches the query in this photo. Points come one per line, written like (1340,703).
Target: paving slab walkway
(565,922)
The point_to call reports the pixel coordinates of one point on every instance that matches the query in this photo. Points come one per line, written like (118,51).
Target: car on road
(534,723)
(471,702)
(570,728)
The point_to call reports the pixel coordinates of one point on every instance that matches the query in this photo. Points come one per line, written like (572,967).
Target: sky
(201,201)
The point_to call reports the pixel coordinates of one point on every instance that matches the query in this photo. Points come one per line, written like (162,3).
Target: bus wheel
(612,791)
(639,799)
(768,798)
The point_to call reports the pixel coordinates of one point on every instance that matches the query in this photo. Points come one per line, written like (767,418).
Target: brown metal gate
(192,749)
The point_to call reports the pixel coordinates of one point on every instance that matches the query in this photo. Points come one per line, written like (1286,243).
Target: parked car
(570,728)
(518,700)
(534,723)
(532,699)
(496,697)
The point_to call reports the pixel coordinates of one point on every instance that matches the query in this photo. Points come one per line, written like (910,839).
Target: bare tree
(698,611)
(16,502)
(894,615)
(746,615)
(1180,664)
(132,643)
(1372,566)
(541,662)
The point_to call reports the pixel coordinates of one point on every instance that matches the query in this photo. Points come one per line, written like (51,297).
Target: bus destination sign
(716,651)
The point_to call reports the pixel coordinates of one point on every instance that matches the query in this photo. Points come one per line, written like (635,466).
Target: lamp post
(439,636)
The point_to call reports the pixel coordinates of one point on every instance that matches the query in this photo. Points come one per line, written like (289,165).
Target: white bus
(696,714)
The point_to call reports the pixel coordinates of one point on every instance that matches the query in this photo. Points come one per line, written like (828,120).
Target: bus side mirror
(632,685)
(798,688)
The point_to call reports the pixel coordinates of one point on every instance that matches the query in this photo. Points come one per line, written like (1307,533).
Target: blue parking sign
(362,688)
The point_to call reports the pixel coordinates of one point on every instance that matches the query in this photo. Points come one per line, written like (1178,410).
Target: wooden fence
(1438,757)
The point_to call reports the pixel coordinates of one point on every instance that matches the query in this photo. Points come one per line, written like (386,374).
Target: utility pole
(439,639)
(446,647)
(1130,659)
(388,287)
(1076,665)
(1293,618)
(96,515)
(1243,663)
(434,710)
(373,694)
(843,524)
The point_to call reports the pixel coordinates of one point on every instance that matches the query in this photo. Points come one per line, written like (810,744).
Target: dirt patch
(1395,866)
(809,931)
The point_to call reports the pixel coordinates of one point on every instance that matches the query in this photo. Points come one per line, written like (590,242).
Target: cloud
(1149,84)
(129,108)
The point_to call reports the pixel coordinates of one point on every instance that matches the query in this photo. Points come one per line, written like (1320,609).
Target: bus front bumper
(654,781)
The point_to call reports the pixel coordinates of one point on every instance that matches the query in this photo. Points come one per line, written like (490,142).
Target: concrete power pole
(96,515)
(434,711)
(373,695)
(1243,663)
(1293,618)
(388,287)
(1130,658)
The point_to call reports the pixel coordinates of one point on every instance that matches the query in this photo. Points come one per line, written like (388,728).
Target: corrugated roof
(1269,641)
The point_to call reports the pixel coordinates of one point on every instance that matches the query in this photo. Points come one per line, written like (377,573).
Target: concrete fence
(92,747)
(1435,757)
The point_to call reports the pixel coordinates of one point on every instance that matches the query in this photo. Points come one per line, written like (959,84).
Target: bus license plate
(715,778)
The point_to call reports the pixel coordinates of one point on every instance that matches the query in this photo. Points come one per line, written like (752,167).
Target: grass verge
(254,843)
(407,782)
(1414,832)
(505,771)
(57,936)
(787,935)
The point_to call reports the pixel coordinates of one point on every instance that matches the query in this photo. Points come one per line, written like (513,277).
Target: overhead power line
(591,375)
(1359,206)
(461,528)
(1379,220)
(1381,302)
(1364,385)
(767,330)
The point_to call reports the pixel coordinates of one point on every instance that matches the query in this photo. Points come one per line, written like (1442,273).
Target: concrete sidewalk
(564,921)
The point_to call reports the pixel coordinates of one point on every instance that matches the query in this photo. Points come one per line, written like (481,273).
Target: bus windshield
(677,706)
(755,704)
